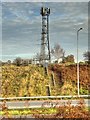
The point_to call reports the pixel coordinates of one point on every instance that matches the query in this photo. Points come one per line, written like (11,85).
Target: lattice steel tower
(45,47)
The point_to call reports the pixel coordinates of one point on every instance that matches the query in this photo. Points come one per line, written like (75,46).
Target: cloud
(21,26)
(45,1)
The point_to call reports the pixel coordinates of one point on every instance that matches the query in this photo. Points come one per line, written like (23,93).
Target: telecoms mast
(45,47)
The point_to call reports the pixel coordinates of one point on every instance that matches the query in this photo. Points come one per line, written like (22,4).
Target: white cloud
(45,1)
(22,25)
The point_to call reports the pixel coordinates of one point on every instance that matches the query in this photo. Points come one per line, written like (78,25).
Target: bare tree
(25,62)
(18,61)
(58,52)
(9,62)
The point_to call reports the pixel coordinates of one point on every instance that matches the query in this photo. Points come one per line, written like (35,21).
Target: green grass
(33,111)
(29,111)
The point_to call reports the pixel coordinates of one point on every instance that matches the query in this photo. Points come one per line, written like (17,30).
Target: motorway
(38,104)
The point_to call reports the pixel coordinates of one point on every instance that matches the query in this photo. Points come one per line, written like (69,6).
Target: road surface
(38,104)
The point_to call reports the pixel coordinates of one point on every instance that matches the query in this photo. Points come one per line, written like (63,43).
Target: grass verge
(29,111)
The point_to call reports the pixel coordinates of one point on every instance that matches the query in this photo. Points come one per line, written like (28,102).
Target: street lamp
(78,61)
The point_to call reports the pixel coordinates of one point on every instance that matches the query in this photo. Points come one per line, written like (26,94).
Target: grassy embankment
(31,80)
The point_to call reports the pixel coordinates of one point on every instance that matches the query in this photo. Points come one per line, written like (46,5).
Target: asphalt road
(38,104)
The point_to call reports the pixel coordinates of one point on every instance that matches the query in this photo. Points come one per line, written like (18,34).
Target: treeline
(58,54)
(18,62)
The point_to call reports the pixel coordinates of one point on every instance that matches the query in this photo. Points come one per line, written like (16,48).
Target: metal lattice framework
(45,47)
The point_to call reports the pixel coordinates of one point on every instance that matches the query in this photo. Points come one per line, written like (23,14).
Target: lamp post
(78,61)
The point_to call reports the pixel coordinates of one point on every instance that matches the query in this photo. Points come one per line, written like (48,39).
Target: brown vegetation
(69,73)
(68,112)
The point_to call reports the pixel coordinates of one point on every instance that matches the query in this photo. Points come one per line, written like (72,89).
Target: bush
(68,111)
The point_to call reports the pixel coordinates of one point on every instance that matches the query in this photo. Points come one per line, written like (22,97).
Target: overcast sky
(21,28)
